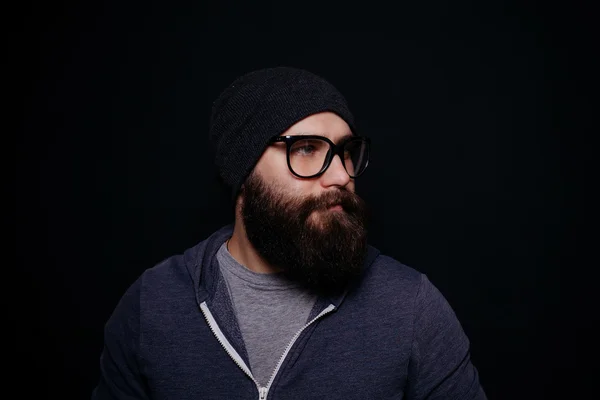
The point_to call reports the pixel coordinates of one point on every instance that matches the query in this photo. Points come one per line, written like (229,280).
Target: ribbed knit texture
(260,105)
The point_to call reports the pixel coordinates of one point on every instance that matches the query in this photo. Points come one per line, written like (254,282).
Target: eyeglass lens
(309,156)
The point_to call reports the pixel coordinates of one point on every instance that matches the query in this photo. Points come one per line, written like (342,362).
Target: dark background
(479,114)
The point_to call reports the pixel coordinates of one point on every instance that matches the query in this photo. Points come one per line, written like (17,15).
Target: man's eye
(305,149)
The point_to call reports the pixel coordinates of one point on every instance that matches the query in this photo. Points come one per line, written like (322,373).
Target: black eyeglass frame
(334,149)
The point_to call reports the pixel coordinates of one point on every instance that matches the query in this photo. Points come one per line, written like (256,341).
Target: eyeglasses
(309,156)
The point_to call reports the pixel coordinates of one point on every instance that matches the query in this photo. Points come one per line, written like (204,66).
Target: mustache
(350,202)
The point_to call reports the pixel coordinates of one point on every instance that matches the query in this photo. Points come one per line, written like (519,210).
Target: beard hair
(321,249)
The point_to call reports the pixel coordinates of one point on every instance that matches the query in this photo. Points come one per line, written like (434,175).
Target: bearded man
(289,301)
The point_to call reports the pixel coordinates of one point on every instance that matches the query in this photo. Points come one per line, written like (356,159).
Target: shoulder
(154,284)
(405,287)
(169,287)
(389,274)
(389,280)
(165,273)
(386,268)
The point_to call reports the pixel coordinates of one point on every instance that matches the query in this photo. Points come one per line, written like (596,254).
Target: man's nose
(336,174)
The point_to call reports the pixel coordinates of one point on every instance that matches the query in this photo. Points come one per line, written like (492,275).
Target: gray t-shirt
(270,310)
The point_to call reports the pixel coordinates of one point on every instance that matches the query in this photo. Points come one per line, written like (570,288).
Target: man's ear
(237,204)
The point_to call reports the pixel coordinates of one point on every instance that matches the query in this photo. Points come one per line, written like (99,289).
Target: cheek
(285,182)
(273,169)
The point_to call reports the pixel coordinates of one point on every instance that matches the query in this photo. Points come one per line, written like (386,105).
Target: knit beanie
(263,104)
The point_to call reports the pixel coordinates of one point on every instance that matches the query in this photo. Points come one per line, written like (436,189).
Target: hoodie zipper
(262,391)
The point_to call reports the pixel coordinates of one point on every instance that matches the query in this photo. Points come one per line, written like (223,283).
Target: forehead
(326,124)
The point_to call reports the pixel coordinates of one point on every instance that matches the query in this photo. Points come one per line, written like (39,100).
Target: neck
(244,252)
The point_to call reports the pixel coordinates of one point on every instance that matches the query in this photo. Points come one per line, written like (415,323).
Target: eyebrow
(346,136)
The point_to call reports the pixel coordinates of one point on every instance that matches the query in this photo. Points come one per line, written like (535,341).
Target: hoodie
(391,335)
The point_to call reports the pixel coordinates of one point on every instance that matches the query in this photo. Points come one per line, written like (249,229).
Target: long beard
(321,249)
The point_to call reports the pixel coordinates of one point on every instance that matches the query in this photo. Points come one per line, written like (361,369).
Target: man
(290,302)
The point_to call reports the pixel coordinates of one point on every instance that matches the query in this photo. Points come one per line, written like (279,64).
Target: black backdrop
(477,112)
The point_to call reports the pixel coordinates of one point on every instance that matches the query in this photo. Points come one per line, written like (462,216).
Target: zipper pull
(262,393)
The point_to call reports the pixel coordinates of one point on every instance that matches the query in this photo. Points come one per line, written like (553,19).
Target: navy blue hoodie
(174,335)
